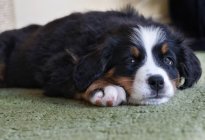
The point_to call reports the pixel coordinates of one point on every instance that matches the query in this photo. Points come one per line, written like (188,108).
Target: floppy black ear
(98,62)
(91,67)
(189,67)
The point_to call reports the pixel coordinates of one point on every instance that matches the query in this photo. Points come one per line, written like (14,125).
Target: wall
(42,11)
(6,15)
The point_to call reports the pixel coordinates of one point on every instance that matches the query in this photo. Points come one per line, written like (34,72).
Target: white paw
(109,96)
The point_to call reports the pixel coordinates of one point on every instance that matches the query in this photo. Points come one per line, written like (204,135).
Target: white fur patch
(109,96)
(148,37)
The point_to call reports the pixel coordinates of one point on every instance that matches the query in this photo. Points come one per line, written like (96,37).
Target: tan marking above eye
(135,52)
(164,48)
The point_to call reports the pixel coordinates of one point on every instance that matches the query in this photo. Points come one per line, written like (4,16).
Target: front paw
(111,95)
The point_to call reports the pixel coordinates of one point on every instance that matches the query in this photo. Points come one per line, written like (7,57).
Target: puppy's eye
(130,61)
(168,61)
(133,61)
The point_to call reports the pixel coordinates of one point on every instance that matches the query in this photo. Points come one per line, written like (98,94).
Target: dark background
(189,16)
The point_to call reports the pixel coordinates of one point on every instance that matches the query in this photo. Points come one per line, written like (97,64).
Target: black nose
(156,82)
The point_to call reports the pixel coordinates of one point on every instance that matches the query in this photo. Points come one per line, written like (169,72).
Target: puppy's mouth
(154,101)
(150,100)
(157,95)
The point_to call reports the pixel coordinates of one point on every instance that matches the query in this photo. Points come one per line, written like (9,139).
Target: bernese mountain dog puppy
(106,58)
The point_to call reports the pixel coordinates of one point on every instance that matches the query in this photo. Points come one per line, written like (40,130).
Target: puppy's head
(167,62)
(148,61)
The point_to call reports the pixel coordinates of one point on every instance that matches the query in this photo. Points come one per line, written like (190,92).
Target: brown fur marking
(98,103)
(126,83)
(164,48)
(109,103)
(98,84)
(176,82)
(135,52)
(108,79)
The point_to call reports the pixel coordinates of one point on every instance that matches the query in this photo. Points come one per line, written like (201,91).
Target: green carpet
(27,115)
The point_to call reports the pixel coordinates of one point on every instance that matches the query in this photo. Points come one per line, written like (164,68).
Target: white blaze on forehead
(148,36)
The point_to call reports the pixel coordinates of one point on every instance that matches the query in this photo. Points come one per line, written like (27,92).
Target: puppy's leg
(57,80)
(103,93)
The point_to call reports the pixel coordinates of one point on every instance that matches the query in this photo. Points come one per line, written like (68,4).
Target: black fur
(189,67)
(188,64)
(66,55)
